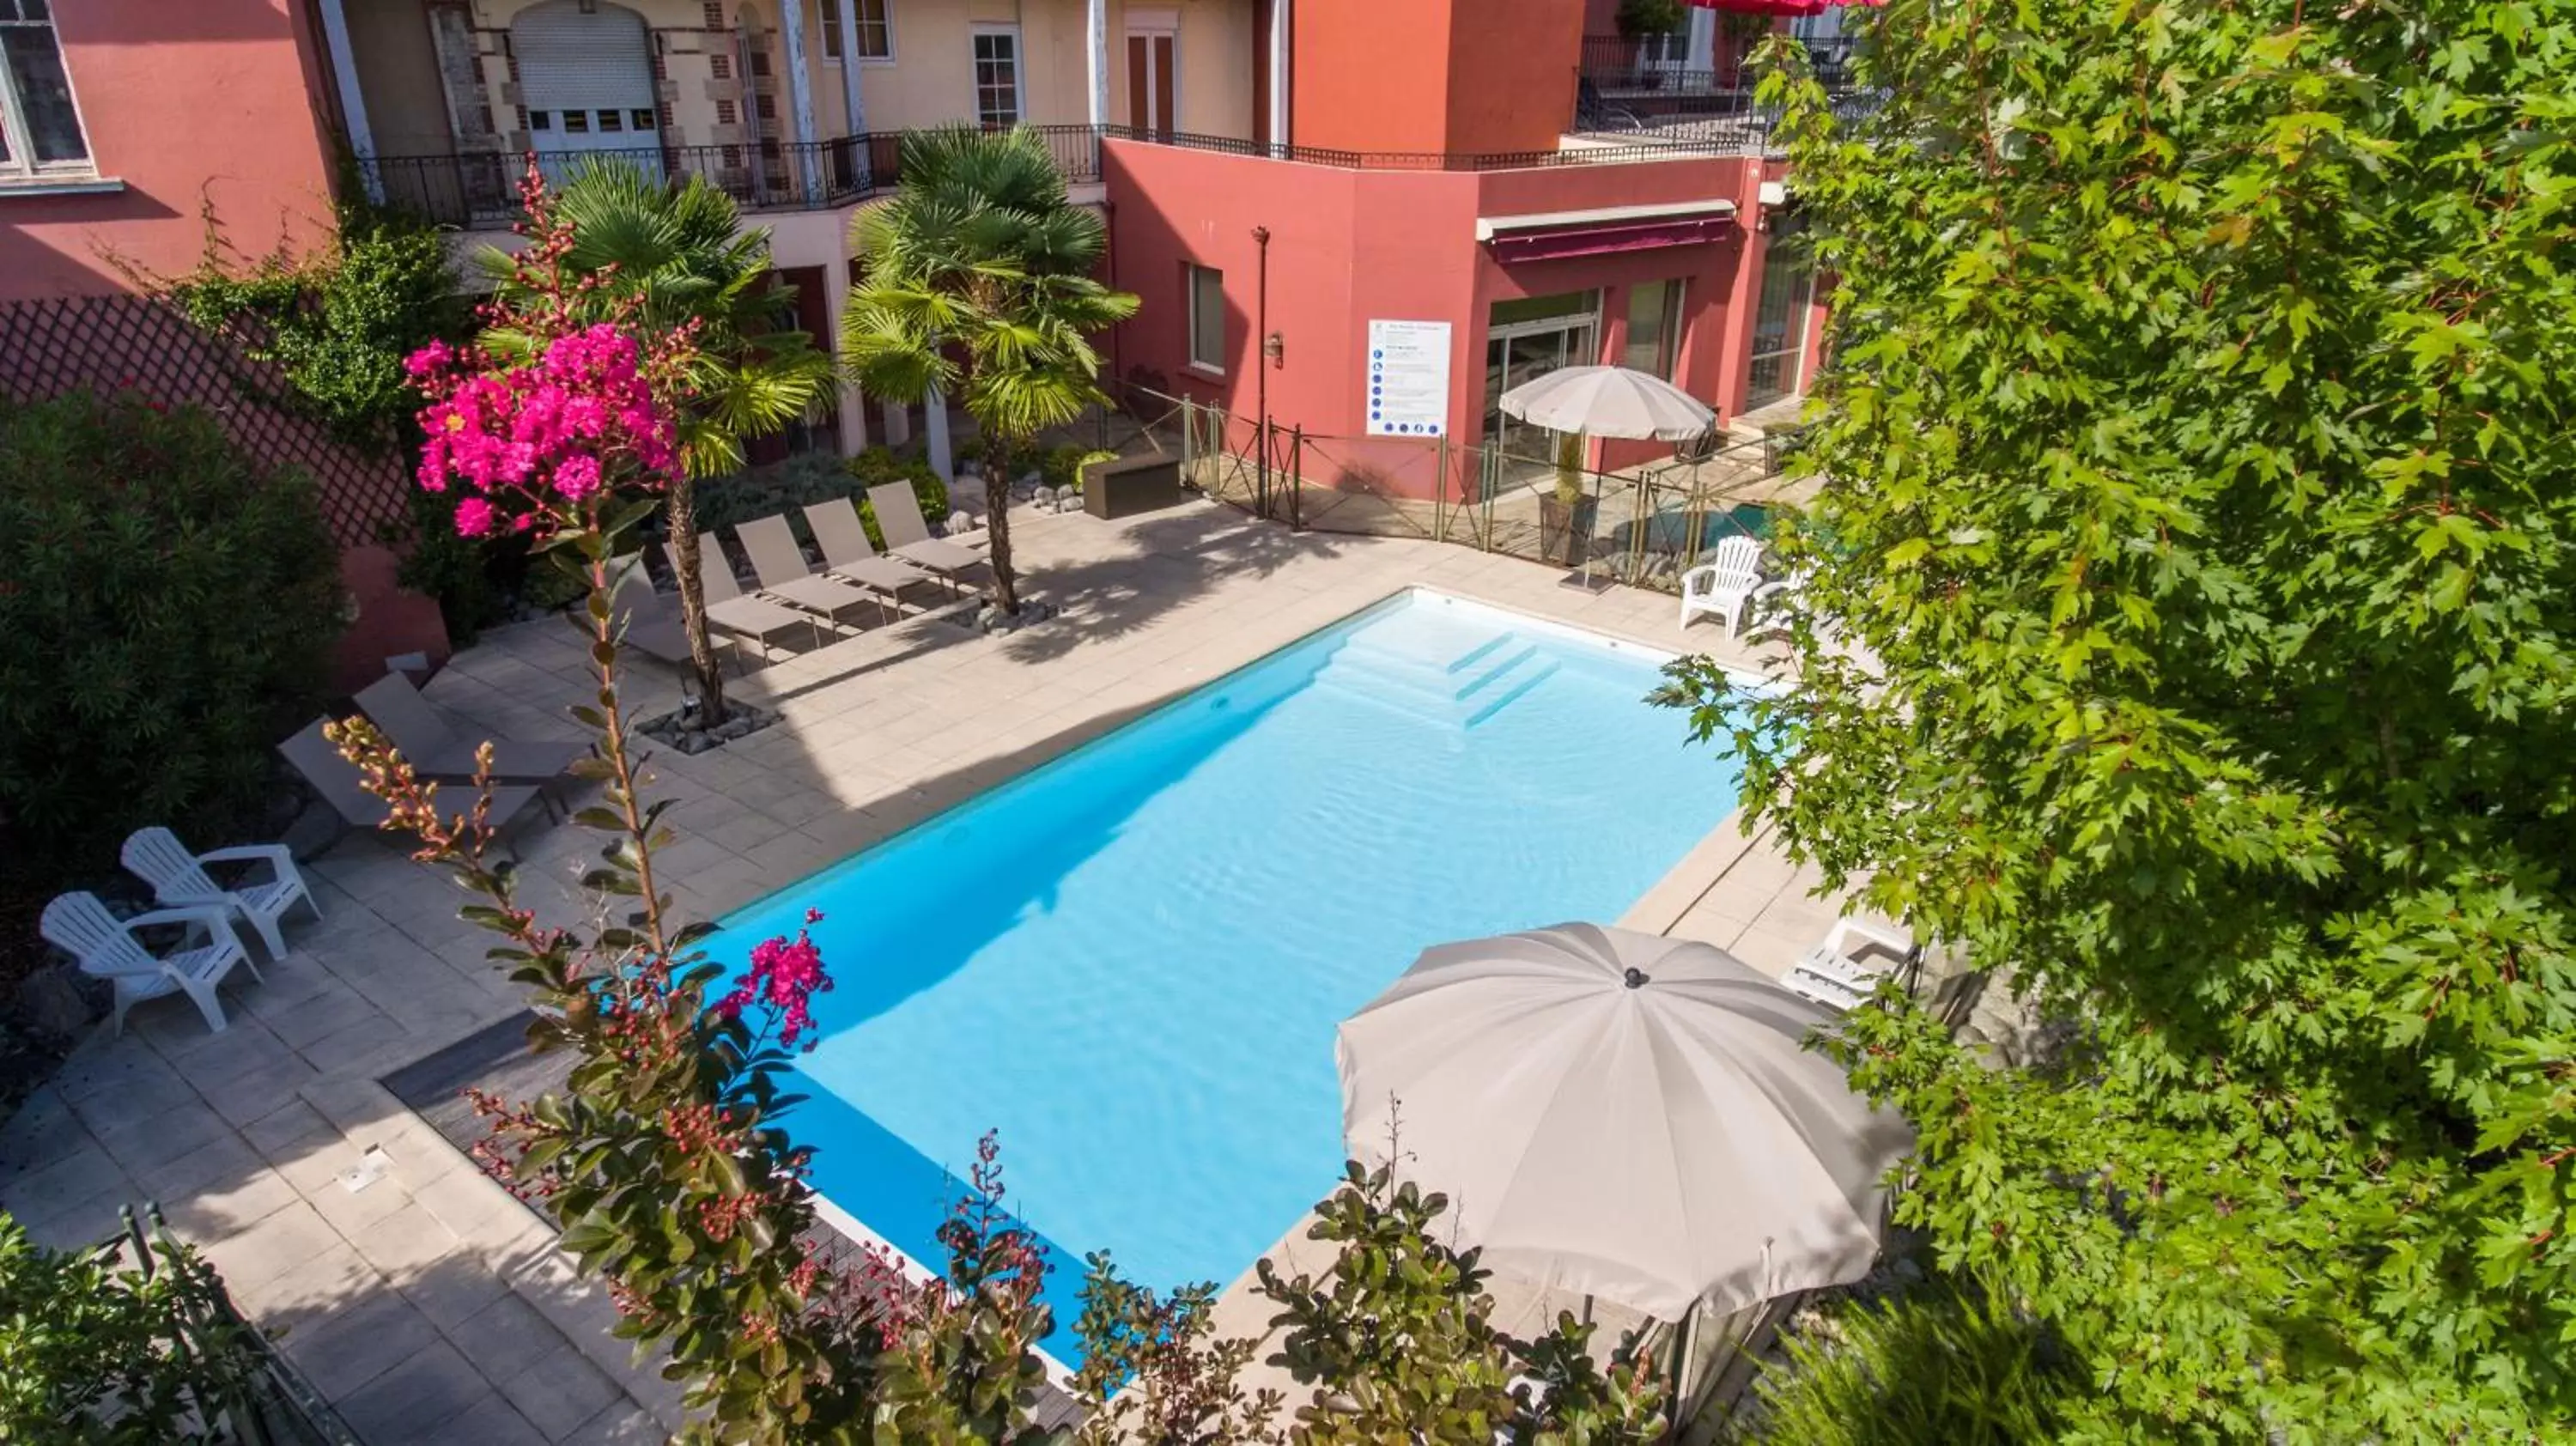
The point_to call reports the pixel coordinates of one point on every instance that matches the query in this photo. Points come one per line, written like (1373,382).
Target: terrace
(430,1305)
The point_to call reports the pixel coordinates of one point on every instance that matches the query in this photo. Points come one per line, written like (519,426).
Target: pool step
(1469,687)
(1513,694)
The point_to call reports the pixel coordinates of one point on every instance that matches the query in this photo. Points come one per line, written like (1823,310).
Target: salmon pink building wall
(1348,246)
(1453,76)
(191,104)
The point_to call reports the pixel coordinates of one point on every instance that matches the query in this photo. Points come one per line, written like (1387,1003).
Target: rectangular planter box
(1138,484)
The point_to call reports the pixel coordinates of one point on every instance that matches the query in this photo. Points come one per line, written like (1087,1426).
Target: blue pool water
(1131,962)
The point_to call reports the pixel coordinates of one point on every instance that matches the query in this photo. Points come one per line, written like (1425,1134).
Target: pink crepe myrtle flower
(539,436)
(785,974)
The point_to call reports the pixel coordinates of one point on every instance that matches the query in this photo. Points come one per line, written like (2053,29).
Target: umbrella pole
(1683,1335)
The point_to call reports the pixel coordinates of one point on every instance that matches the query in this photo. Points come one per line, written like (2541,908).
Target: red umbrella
(1780,7)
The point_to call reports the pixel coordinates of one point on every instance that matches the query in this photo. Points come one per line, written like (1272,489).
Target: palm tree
(979,286)
(681,247)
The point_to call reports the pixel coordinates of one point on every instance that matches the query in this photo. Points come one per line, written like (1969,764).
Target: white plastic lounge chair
(437,750)
(907,536)
(756,618)
(1835,969)
(81,926)
(1725,583)
(650,621)
(179,878)
(779,562)
(342,787)
(847,552)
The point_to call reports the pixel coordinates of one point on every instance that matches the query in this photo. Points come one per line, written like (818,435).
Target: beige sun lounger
(437,750)
(342,787)
(780,564)
(907,536)
(649,621)
(847,552)
(756,618)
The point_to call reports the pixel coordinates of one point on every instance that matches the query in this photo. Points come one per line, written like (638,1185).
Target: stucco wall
(1350,246)
(209,105)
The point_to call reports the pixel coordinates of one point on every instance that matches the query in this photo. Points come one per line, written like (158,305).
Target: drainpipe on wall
(1260,349)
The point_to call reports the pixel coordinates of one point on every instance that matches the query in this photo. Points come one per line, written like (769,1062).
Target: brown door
(1150,82)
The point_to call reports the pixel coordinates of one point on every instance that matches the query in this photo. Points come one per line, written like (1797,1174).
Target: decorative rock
(51,1000)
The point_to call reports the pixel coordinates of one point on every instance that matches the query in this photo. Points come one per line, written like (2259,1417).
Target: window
(997,78)
(1654,328)
(1207,317)
(40,127)
(1780,318)
(876,37)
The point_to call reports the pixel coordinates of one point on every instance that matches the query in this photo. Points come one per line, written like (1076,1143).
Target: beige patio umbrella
(1606,401)
(1622,1115)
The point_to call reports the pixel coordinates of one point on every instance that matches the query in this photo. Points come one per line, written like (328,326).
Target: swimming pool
(1131,961)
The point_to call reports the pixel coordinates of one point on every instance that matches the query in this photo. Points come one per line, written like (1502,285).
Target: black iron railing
(1625,68)
(483,190)
(480,191)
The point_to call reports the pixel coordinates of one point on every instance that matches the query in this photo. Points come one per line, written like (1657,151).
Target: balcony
(481,192)
(1648,90)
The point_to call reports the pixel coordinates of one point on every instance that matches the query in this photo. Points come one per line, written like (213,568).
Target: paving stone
(561,1392)
(321,1016)
(418,1400)
(493,1423)
(454,1290)
(39,1193)
(359,1045)
(255,1093)
(165,1137)
(43,1132)
(405,1242)
(350,1347)
(506,1335)
(621,1424)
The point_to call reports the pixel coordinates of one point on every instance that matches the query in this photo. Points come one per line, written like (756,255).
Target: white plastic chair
(1725,583)
(1833,972)
(78,924)
(179,877)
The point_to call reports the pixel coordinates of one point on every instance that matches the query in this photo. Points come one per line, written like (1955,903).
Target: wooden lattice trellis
(135,343)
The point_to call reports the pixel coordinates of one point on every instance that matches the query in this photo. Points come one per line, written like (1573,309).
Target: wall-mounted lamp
(1275,347)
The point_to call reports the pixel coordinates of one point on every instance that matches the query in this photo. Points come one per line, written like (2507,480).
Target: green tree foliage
(1936,1367)
(2192,640)
(166,608)
(327,333)
(95,1351)
(669,254)
(980,254)
(1399,1342)
(334,326)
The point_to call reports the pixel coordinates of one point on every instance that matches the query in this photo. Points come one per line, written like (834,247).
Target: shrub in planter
(1947,1363)
(91,1350)
(167,613)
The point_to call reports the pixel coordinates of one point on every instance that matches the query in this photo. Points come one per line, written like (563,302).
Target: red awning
(1780,7)
(1605,238)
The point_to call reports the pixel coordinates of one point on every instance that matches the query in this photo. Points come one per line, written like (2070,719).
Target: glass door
(1780,324)
(1525,340)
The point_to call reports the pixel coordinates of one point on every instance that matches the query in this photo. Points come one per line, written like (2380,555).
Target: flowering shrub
(784,975)
(584,407)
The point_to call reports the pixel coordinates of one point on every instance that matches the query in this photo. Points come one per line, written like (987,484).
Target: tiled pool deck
(430,1306)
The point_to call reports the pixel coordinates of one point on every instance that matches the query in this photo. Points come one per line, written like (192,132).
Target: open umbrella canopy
(1622,1115)
(1609,402)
